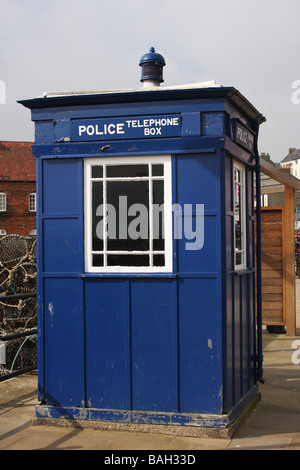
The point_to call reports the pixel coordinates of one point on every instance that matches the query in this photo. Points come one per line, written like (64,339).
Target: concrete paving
(273,425)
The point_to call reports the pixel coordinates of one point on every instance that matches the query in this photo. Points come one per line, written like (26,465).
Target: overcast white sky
(63,45)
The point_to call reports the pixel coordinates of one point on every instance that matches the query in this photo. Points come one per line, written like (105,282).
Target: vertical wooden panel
(252,329)
(154,345)
(107,344)
(278,270)
(237,356)
(289,265)
(272,266)
(64,353)
(199,346)
(228,336)
(245,345)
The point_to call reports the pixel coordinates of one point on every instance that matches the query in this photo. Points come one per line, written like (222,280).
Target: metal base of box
(189,425)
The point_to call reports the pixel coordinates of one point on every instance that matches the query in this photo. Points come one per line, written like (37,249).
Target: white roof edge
(189,86)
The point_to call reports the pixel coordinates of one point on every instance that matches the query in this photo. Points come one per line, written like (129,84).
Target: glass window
(32,202)
(128,214)
(239,216)
(3,202)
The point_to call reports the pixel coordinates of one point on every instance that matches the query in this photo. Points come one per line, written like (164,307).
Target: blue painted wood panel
(61,215)
(238,329)
(63,342)
(200,346)
(107,344)
(213,123)
(62,245)
(245,345)
(228,327)
(228,347)
(154,345)
(62,186)
(198,180)
(252,329)
(239,305)
(205,260)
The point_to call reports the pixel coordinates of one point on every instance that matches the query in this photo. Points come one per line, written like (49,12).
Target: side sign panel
(244,137)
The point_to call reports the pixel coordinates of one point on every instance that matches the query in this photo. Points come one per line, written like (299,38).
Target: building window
(128,214)
(3,202)
(2,232)
(239,216)
(264,200)
(32,202)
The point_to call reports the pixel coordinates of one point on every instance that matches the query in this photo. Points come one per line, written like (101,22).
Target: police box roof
(202,90)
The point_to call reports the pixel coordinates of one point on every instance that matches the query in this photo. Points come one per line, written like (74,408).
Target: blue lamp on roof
(152,65)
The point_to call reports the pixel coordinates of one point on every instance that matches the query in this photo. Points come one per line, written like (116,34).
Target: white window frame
(32,202)
(168,248)
(3,202)
(242,201)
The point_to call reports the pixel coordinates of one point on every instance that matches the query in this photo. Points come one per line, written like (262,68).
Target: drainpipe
(259,357)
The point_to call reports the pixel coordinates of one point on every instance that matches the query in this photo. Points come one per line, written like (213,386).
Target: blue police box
(147,287)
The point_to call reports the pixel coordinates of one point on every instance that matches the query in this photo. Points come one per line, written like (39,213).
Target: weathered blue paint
(174,348)
(193,421)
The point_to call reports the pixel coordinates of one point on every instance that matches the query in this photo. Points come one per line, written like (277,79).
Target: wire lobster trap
(18,304)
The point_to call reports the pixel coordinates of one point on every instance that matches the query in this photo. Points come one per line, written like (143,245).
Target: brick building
(17,189)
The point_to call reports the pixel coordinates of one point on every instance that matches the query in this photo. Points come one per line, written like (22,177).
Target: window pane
(238,258)
(157,170)
(237,218)
(97,260)
(158,215)
(2,202)
(97,171)
(158,260)
(32,202)
(129,205)
(97,220)
(128,260)
(122,171)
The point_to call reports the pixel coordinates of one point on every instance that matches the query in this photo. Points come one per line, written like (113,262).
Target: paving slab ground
(273,425)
